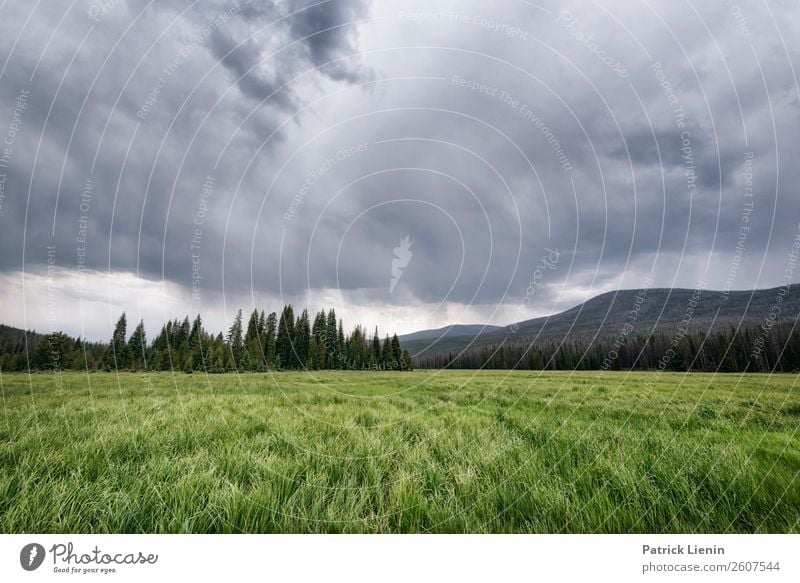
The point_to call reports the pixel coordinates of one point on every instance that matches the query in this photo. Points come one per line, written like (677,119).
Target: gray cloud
(474,135)
(243,59)
(325,27)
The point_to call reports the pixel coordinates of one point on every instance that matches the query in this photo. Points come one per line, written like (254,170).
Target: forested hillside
(640,327)
(745,349)
(264,342)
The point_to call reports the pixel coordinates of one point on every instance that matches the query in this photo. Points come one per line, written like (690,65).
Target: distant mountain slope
(650,311)
(13,339)
(452,330)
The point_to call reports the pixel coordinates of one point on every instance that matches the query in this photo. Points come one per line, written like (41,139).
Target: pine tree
(184,330)
(318,329)
(408,362)
(51,352)
(252,326)
(375,354)
(385,360)
(183,357)
(199,353)
(236,343)
(161,352)
(340,347)
(291,342)
(397,353)
(252,342)
(357,353)
(269,341)
(138,347)
(331,349)
(120,354)
(120,332)
(168,336)
(302,339)
(283,343)
(317,345)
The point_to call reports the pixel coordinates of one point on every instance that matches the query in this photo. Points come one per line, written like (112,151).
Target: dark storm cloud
(498,132)
(320,34)
(243,59)
(121,116)
(324,27)
(715,162)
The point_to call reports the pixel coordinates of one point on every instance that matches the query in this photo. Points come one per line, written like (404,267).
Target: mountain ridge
(456,329)
(632,312)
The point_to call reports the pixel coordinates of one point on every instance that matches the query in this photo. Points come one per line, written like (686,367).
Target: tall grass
(400,452)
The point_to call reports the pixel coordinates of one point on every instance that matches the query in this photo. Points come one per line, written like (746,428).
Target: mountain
(452,330)
(637,312)
(14,340)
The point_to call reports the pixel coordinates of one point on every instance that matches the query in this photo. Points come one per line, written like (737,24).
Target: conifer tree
(197,351)
(386,353)
(138,347)
(340,347)
(269,341)
(283,343)
(120,354)
(397,353)
(331,348)
(408,362)
(317,344)
(51,352)
(302,339)
(183,331)
(289,342)
(357,352)
(375,355)
(252,342)
(236,342)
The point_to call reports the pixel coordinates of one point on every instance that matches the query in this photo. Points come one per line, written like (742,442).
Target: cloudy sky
(180,156)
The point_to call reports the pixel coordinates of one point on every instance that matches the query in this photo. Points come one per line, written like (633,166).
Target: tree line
(752,349)
(268,342)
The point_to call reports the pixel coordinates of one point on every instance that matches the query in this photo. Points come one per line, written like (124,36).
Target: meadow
(406,452)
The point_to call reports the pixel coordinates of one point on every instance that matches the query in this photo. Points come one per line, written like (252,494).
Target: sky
(412,164)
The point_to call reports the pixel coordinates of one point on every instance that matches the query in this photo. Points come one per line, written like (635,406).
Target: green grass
(400,452)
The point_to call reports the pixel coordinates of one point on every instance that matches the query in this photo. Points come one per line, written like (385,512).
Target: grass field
(427,451)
